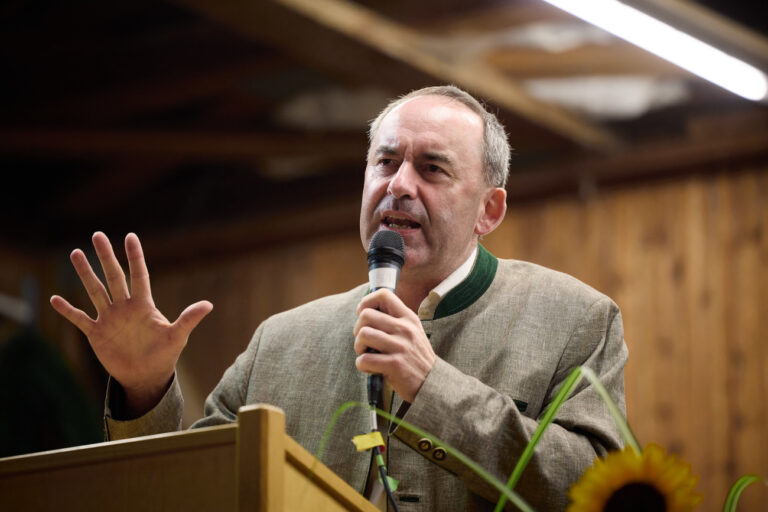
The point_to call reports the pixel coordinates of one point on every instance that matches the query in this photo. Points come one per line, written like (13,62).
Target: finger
(112,270)
(376,319)
(190,317)
(71,313)
(374,339)
(385,301)
(140,287)
(93,286)
(370,362)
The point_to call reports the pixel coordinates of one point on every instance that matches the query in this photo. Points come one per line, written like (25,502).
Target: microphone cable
(374,397)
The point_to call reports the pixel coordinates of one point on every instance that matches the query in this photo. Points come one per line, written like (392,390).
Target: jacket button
(424,444)
(439,454)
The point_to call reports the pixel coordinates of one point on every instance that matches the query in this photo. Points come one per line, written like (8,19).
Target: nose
(404,182)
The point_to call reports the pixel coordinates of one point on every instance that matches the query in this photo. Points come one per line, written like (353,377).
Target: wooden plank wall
(686,260)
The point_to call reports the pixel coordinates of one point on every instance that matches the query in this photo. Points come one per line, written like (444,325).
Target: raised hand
(132,339)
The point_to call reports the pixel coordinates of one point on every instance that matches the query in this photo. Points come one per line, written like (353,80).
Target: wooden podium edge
(260,457)
(332,483)
(119,449)
(268,466)
(260,468)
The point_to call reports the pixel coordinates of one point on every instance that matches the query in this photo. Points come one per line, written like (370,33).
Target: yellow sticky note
(367,441)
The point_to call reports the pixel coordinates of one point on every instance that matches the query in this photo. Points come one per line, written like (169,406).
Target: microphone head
(386,247)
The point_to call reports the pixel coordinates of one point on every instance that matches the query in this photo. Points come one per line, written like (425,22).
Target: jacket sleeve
(164,417)
(486,425)
(220,406)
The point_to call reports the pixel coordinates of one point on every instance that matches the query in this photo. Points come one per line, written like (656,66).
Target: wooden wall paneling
(702,315)
(686,260)
(245,291)
(745,399)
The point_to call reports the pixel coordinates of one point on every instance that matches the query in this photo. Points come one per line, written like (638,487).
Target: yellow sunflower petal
(669,476)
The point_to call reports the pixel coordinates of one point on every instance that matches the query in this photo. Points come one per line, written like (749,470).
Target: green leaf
(618,417)
(508,494)
(567,388)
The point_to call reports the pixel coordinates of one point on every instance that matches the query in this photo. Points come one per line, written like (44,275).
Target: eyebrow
(385,149)
(439,157)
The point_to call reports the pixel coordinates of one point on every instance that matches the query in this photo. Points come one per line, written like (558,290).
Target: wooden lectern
(248,466)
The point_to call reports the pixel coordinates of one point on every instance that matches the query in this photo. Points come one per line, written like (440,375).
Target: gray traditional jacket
(506,338)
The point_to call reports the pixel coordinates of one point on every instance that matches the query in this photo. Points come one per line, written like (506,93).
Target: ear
(493,210)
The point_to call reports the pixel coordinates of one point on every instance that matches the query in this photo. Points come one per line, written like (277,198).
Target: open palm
(132,339)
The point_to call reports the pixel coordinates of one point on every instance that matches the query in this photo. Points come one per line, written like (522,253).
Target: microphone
(386,256)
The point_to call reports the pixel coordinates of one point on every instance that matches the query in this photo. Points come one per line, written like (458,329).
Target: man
(474,348)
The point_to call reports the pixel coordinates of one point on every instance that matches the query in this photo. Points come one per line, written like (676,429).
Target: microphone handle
(375,382)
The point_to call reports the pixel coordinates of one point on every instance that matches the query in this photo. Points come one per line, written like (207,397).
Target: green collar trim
(472,288)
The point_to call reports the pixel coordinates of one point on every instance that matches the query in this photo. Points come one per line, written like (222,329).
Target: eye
(434,170)
(387,165)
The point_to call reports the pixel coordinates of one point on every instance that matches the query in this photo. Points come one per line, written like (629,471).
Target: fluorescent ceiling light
(671,44)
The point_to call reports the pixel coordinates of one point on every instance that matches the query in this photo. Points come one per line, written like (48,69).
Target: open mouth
(393,222)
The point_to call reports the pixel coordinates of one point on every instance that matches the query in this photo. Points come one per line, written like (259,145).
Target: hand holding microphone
(386,256)
(404,355)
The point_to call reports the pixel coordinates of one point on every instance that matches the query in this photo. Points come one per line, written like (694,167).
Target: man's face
(424,180)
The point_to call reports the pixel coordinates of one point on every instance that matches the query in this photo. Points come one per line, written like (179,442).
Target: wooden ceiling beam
(497,16)
(644,161)
(182,145)
(315,46)
(97,192)
(407,45)
(161,92)
(618,59)
(340,36)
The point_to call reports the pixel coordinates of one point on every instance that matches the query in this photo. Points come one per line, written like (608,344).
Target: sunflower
(628,481)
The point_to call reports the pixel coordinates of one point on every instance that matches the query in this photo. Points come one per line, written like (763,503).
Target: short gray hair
(496,149)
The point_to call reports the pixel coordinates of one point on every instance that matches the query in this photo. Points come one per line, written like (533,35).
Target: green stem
(507,493)
(567,388)
(735,493)
(618,417)
(573,378)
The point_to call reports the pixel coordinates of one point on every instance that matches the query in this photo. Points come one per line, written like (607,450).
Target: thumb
(190,317)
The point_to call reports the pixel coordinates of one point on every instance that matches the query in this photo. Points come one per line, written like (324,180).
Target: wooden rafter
(616,59)
(402,43)
(643,161)
(226,146)
(313,21)
(163,92)
(296,36)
